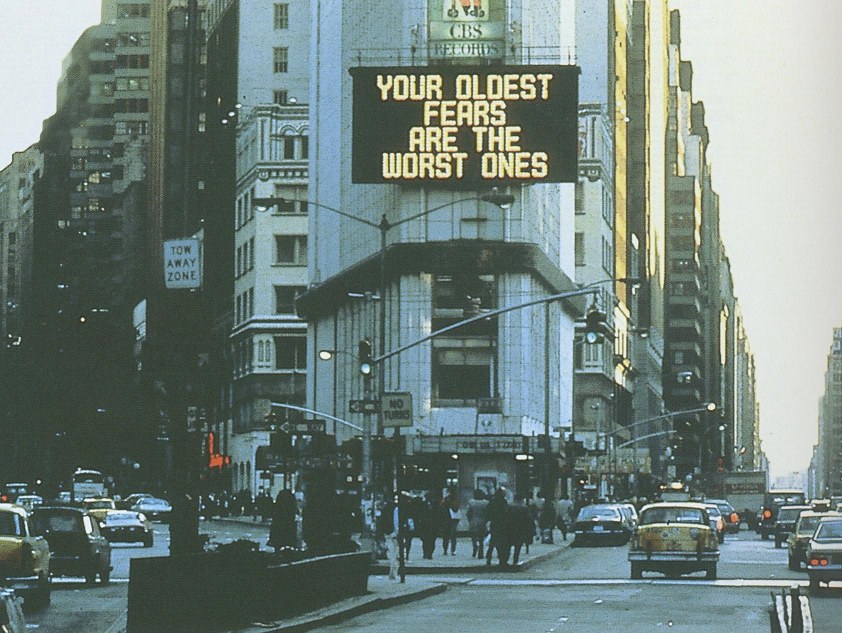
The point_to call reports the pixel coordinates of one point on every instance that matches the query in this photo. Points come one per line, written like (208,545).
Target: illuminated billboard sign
(465,125)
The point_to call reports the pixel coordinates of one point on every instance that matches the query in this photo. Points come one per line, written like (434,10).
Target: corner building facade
(483,394)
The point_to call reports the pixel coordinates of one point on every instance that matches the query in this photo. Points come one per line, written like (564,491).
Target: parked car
(799,539)
(77,548)
(29,502)
(729,515)
(127,502)
(126,526)
(785,523)
(824,552)
(153,508)
(601,523)
(717,523)
(98,507)
(674,539)
(24,558)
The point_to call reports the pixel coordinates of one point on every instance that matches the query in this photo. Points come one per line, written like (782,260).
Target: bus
(88,483)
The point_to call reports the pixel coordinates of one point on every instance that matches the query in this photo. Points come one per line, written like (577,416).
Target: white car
(29,502)
(154,508)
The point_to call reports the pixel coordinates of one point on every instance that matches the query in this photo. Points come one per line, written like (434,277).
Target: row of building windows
(132,61)
(245,210)
(131,105)
(245,259)
(244,307)
(128,128)
(134,10)
(285,353)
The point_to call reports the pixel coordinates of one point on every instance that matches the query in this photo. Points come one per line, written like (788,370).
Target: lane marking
(736,582)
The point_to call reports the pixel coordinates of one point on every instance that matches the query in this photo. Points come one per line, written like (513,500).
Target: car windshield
(121,518)
(807,525)
(724,508)
(789,514)
(713,512)
(58,523)
(11,524)
(598,512)
(829,531)
(673,515)
(98,505)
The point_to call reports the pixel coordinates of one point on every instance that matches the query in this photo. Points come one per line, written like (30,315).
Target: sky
(767,71)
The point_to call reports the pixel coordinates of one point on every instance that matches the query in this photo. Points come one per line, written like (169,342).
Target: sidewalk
(462,562)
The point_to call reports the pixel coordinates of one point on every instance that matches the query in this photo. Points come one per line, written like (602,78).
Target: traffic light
(364,357)
(596,326)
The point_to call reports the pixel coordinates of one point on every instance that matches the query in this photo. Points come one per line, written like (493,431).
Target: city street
(581,588)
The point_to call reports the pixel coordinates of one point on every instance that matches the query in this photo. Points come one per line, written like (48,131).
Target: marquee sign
(470,126)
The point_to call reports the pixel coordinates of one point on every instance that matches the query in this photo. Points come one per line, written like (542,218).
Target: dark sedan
(77,548)
(601,523)
(125,526)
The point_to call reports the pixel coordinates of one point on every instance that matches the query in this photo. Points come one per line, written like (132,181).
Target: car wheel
(105,575)
(636,571)
(764,536)
(777,543)
(793,564)
(90,578)
(710,572)
(814,584)
(721,538)
(147,542)
(40,598)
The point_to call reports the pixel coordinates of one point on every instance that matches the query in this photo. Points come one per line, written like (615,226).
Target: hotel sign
(470,126)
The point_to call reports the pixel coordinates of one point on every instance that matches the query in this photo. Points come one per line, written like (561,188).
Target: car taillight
(4,498)
(818,562)
(767,514)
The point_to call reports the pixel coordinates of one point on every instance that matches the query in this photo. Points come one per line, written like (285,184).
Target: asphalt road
(580,589)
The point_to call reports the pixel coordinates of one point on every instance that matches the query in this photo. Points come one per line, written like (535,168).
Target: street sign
(397,409)
(182,264)
(363,406)
(305,427)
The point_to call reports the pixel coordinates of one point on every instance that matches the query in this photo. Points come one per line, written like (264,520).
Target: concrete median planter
(212,591)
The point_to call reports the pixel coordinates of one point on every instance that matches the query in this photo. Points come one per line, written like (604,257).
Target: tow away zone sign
(182,264)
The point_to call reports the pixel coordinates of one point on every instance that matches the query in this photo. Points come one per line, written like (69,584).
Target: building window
(291,249)
(580,196)
(462,374)
(281,16)
(281,60)
(280,97)
(291,353)
(305,147)
(295,199)
(289,147)
(579,249)
(285,298)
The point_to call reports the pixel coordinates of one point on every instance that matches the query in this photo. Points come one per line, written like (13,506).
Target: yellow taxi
(674,539)
(24,558)
(98,507)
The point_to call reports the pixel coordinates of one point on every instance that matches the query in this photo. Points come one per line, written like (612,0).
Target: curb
(380,570)
(375,603)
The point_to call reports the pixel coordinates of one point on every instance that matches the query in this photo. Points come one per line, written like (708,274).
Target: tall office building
(481,395)
(830,422)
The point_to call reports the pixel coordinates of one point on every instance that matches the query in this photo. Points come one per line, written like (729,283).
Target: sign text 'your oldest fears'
(465,125)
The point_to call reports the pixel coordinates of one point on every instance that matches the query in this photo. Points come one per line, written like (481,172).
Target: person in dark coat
(426,526)
(547,521)
(519,527)
(497,511)
(284,532)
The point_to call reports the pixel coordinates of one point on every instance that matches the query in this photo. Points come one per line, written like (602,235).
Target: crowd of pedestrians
(495,524)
